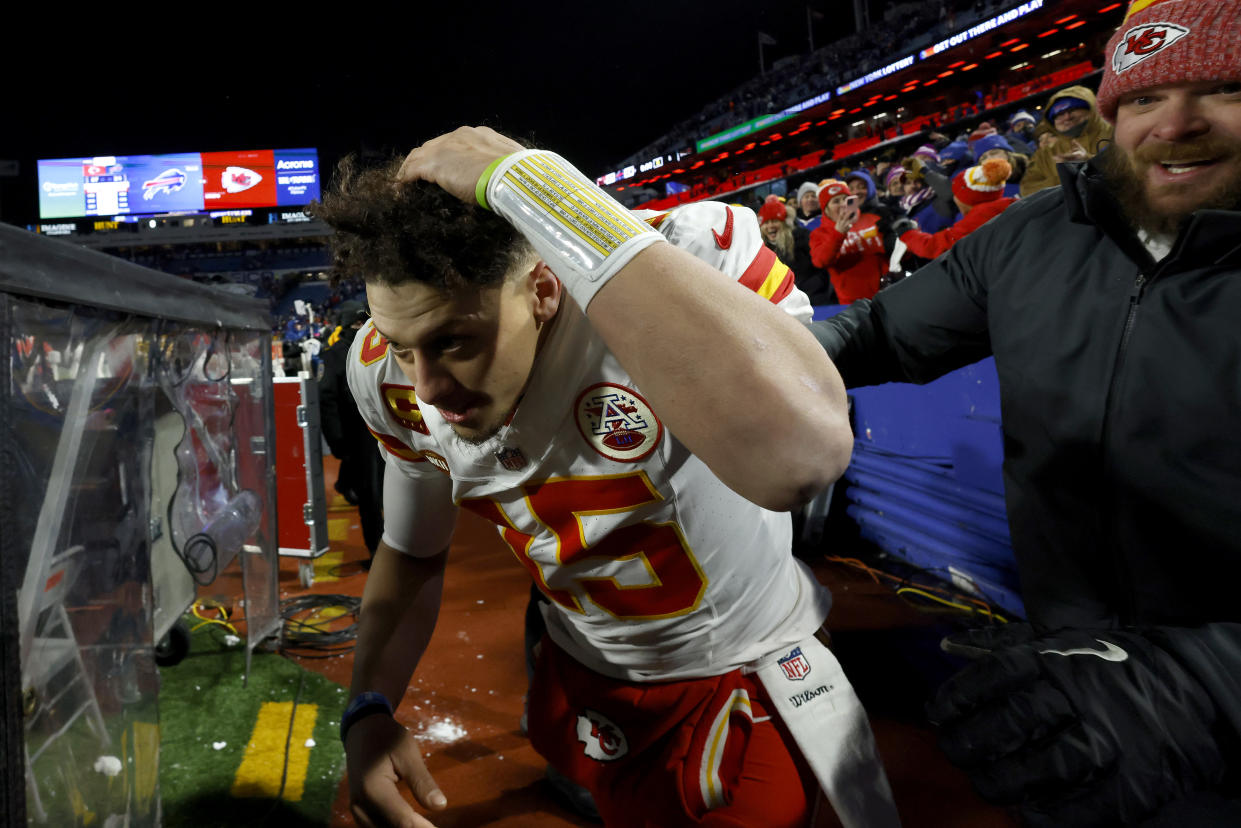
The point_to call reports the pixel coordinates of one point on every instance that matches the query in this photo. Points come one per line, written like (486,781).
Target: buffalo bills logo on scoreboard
(166,183)
(617,422)
(795,665)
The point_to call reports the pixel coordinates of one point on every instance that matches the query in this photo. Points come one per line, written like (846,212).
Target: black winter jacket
(1120,383)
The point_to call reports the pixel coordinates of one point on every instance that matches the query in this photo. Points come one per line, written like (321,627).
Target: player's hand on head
(381,756)
(455,161)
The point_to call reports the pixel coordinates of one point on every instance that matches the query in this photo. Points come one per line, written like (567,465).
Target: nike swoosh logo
(725,241)
(1110,653)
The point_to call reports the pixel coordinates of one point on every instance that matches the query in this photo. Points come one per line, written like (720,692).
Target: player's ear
(546,291)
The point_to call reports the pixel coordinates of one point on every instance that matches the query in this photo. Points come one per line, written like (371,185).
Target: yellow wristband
(480,189)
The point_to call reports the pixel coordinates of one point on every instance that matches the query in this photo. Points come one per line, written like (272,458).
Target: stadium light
(1107,9)
(1065,19)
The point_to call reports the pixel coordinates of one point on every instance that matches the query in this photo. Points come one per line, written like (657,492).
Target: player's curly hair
(391,234)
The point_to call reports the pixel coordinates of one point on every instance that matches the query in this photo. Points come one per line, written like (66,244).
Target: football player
(631,406)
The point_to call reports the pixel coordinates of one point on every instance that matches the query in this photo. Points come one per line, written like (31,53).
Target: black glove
(903,225)
(1075,727)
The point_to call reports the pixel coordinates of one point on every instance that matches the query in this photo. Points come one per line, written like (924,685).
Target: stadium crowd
(850,229)
(905,27)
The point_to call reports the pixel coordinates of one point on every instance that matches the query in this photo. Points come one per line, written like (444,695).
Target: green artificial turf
(203,702)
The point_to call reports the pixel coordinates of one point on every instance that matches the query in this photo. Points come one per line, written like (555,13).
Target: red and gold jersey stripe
(655,221)
(396,447)
(767,276)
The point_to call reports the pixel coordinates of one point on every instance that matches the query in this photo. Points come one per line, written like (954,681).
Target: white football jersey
(654,568)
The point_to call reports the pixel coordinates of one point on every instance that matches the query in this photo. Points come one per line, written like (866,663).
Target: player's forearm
(399,607)
(742,384)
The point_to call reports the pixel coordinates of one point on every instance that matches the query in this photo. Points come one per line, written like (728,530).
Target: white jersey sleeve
(419,514)
(727,237)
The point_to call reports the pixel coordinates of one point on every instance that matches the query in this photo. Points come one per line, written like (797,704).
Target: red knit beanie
(773,209)
(982,183)
(829,189)
(1171,41)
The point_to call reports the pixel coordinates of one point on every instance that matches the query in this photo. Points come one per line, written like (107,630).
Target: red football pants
(669,754)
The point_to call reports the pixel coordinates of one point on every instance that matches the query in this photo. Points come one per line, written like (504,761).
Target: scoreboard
(119,185)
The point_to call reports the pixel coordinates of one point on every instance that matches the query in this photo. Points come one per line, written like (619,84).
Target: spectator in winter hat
(791,242)
(1021,132)
(992,146)
(1110,305)
(773,222)
(861,185)
(979,194)
(894,181)
(928,198)
(996,146)
(893,189)
(850,244)
(807,214)
(981,131)
(1080,134)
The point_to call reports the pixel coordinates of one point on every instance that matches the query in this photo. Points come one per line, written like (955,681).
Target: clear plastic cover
(132,435)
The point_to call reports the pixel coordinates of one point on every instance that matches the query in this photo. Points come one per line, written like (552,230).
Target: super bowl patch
(617,422)
(603,740)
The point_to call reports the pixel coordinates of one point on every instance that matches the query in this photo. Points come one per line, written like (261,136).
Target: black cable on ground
(288,740)
(305,636)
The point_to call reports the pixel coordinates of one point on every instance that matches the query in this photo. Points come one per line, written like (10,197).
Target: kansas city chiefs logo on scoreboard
(603,740)
(1142,42)
(239,179)
(617,422)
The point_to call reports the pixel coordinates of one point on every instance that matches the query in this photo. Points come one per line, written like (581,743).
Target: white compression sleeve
(583,234)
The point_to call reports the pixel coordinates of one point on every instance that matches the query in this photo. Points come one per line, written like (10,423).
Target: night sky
(596,82)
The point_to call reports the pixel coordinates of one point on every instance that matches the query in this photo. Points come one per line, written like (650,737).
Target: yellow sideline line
(261,767)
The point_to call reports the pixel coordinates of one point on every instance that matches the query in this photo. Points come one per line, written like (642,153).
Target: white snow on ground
(108,765)
(444,731)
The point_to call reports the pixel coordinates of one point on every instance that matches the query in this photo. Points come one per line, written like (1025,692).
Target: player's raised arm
(745,387)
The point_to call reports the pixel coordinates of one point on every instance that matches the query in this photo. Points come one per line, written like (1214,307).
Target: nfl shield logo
(511,458)
(795,665)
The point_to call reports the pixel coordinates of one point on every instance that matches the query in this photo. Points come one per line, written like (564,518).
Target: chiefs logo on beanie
(829,188)
(1171,41)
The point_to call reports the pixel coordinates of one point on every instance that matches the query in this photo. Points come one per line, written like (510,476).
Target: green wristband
(480,189)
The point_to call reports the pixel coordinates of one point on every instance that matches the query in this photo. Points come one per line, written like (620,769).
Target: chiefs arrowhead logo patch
(603,740)
(1143,42)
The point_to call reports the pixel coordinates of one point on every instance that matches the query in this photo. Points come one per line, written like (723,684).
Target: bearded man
(1111,306)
